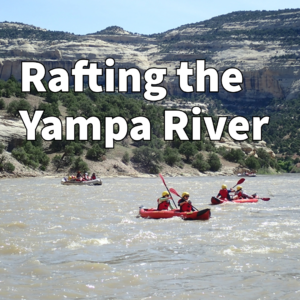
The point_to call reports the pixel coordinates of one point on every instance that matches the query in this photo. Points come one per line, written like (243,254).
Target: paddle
(264,199)
(175,193)
(239,182)
(167,189)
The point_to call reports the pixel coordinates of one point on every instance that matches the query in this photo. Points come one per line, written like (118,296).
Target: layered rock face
(264,46)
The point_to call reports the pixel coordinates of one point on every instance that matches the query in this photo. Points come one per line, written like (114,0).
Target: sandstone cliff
(265,46)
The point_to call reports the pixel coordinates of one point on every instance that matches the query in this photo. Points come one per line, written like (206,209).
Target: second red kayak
(152,213)
(216,201)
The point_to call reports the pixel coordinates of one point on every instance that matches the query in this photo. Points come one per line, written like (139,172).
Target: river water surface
(73,242)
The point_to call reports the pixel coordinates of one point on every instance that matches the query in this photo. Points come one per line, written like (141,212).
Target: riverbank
(114,167)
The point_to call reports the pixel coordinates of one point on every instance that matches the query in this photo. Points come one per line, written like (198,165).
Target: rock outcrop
(247,148)
(265,46)
(12,132)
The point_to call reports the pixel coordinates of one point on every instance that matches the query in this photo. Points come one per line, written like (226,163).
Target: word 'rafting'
(34,73)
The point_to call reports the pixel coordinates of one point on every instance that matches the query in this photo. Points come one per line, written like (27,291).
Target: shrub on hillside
(214,162)
(126,158)
(9,167)
(2,104)
(60,161)
(80,165)
(50,110)
(1,148)
(148,157)
(95,153)
(6,166)
(31,156)
(200,164)
(14,107)
(234,155)
(171,156)
(252,163)
(187,149)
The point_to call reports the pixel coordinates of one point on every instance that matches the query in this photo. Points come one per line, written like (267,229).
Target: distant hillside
(264,45)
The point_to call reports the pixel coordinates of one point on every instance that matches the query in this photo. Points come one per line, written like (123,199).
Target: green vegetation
(188,149)
(126,158)
(217,29)
(214,162)
(171,156)
(11,87)
(200,164)
(149,155)
(16,105)
(149,158)
(31,155)
(50,110)
(95,153)
(2,104)
(283,134)
(6,166)
(1,148)
(80,164)
(29,32)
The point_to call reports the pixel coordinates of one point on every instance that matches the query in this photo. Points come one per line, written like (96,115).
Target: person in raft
(184,203)
(93,176)
(78,176)
(239,194)
(224,193)
(164,201)
(86,177)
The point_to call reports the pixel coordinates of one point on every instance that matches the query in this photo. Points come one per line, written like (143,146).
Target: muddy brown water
(72,242)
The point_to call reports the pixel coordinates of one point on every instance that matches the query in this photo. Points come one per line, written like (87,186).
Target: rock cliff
(264,45)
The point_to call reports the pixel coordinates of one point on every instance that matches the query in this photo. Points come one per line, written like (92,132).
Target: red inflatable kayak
(216,201)
(152,213)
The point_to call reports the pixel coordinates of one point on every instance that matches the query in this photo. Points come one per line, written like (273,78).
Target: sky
(140,16)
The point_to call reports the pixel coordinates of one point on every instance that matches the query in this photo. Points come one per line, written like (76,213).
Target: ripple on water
(62,242)
(73,245)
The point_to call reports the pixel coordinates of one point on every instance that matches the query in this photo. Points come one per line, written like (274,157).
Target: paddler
(164,201)
(239,194)
(184,203)
(224,193)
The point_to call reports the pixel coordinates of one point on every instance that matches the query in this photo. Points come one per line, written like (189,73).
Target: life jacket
(163,205)
(224,194)
(186,207)
(93,177)
(240,195)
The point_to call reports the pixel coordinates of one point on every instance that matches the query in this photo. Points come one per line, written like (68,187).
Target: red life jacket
(224,194)
(163,205)
(240,195)
(186,207)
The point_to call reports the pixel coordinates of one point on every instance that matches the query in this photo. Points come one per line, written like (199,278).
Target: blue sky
(141,16)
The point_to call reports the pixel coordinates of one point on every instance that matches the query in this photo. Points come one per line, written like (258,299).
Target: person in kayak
(239,194)
(224,193)
(164,201)
(184,203)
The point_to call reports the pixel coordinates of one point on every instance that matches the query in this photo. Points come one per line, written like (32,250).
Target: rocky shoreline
(112,168)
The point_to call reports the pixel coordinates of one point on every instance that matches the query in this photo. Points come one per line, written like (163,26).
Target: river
(73,242)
